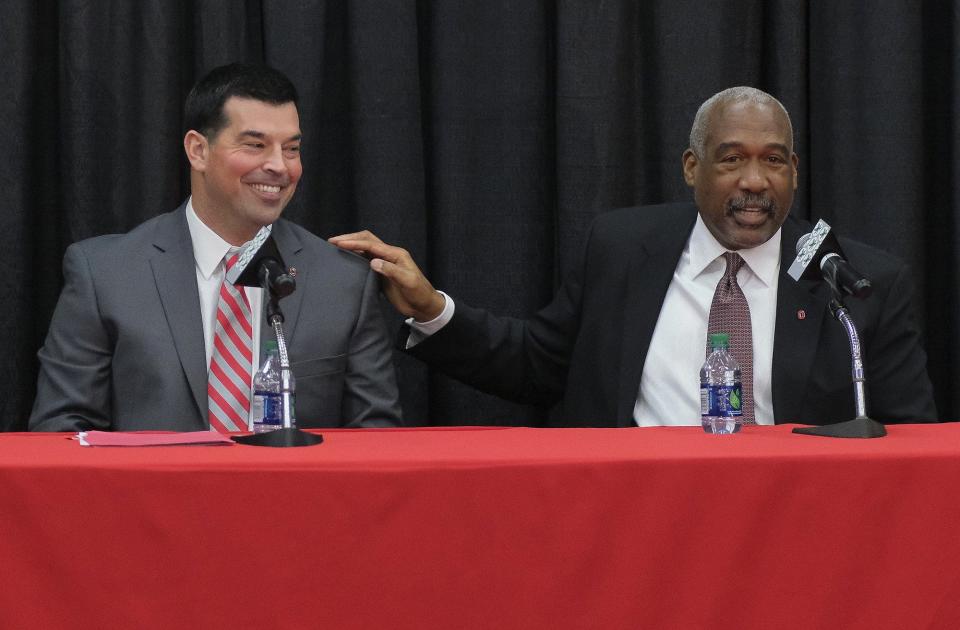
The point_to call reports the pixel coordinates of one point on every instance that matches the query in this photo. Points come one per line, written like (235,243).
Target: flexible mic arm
(286,391)
(261,265)
(819,254)
(278,283)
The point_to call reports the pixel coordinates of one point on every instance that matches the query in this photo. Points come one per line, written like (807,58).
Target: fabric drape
(481,136)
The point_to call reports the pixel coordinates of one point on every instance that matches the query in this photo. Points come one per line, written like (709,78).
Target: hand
(403,282)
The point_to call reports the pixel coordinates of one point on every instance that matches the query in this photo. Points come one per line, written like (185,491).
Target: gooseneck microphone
(819,255)
(260,265)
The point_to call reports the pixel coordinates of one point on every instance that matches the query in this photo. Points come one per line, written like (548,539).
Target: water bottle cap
(720,340)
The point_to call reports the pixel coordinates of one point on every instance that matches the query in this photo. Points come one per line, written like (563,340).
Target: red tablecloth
(496,528)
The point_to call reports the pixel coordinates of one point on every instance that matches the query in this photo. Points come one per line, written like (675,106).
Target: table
(487,528)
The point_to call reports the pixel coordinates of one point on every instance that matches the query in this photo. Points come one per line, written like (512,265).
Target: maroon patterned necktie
(730,313)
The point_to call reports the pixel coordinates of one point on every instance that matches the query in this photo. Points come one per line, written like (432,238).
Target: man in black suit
(612,358)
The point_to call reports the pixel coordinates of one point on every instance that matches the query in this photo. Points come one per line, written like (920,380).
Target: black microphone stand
(275,317)
(288,435)
(862,426)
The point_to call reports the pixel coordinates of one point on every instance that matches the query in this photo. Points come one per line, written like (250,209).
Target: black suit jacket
(587,348)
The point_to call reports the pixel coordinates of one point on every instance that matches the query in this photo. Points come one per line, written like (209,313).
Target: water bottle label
(721,400)
(257,408)
(273,410)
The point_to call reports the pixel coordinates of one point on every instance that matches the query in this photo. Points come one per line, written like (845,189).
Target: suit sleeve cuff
(421,330)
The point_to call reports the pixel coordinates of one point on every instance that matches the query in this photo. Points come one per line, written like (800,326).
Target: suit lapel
(174,271)
(290,247)
(801,309)
(651,268)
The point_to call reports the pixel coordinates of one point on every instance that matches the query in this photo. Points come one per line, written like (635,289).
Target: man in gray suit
(131,340)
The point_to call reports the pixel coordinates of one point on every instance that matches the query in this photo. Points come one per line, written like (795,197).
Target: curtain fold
(483,137)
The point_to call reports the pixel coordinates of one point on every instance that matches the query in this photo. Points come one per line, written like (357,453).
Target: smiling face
(744,182)
(243,177)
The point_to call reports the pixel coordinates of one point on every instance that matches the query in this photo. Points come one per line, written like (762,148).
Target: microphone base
(280,438)
(857,428)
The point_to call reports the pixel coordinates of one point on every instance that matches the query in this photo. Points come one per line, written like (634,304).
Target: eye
(254,145)
(730,159)
(776,159)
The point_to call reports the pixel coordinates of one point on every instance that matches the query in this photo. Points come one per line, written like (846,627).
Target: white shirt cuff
(421,330)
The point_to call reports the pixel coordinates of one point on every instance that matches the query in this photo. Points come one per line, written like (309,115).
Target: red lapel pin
(801,314)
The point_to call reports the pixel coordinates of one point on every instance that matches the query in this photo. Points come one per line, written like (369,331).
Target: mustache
(756,200)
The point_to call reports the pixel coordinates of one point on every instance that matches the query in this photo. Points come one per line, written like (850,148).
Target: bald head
(721,100)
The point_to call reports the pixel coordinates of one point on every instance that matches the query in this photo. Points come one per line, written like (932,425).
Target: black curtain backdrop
(483,136)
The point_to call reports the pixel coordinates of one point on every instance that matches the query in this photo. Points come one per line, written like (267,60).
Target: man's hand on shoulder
(403,283)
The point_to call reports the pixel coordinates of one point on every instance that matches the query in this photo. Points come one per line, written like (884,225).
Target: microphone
(260,265)
(819,255)
(273,275)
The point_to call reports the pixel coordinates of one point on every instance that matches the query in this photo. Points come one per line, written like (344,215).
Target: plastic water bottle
(721,390)
(268,393)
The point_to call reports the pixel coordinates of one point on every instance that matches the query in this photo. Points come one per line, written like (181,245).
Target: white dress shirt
(670,386)
(208,253)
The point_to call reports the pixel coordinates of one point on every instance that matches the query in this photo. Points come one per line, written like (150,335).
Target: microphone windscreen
(249,252)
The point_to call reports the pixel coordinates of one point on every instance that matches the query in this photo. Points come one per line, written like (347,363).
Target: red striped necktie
(228,380)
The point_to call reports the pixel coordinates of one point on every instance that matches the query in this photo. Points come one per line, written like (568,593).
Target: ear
(690,164)
(197,148)
(796,178)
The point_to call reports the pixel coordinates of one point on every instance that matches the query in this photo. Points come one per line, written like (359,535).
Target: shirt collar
(208,248)
(763,260)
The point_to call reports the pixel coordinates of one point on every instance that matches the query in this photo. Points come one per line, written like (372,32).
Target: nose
(752,177)
(274,162)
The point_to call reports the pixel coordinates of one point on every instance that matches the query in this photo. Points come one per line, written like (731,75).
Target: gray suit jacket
(125,349)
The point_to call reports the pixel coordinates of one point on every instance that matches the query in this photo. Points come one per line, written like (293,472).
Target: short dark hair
(203,110)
